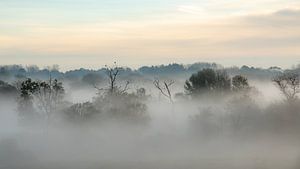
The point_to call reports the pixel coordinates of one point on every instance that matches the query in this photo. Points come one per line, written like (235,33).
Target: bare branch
(288,84)
(157,85)
(165,89)
(125,88)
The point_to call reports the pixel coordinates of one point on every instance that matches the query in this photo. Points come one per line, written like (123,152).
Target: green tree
(239,83)
(207,81)
(81,112)
(25,103)
(46,96)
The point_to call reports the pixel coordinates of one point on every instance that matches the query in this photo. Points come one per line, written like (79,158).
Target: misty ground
(168,141)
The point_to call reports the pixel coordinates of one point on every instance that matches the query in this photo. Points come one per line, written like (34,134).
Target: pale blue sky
(61,11)
(92,33)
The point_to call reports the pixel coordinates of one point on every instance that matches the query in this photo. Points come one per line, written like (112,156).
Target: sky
(93,33)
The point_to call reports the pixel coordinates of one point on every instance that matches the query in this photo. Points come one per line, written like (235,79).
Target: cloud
(273,35)
(190,9)
(288,13)
(281,18)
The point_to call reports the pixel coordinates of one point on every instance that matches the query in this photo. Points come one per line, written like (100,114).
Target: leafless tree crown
(289,85)
(164,88)
(112,74)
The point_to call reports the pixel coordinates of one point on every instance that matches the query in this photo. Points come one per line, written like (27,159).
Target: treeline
(17,72)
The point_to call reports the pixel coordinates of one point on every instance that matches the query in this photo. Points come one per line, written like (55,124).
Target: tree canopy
(208,80)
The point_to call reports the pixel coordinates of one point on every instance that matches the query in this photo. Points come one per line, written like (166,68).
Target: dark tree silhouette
(112,74)
(81,111)
(46,95)
(223,81)
(208,80)
(240,82)
(25,103)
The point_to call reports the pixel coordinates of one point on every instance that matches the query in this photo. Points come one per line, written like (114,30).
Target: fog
(212,132)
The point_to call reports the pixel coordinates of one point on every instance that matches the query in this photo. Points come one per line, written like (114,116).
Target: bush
(125,107)
(81,112)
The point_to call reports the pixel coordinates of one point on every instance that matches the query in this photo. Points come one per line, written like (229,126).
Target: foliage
(208,80)
(25,103)
(240,82)
(12,72)
(123,107)
(46,96)
(81,111)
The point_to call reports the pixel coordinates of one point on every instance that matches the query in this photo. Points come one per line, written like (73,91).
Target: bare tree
(164,88)
(289,85)
(49,96)
(112,74)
